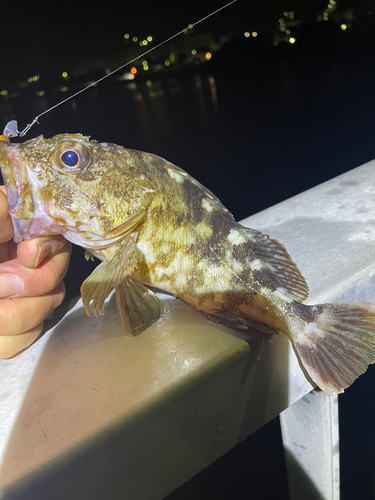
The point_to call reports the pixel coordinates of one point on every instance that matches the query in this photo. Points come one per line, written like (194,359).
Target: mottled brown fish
(152,224)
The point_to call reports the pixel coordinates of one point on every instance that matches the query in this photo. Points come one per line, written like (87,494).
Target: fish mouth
(8,178)
(27,221)
(11,187)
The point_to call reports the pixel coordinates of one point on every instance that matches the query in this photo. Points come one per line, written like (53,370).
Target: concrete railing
(107,412)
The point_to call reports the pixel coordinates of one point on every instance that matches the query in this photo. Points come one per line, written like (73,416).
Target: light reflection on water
(149,109)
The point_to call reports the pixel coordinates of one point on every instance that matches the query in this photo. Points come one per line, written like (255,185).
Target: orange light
(133,70)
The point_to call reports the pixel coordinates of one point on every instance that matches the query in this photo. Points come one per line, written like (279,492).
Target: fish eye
(71,158)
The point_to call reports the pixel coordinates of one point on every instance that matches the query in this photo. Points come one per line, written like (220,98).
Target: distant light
(149,38)
(246,34)
(292,40)
(145,42)
(254,34)
(64,74)
(128,76)
(194,52)
(40,93)
(144,62)
(149,83)
(343,27)
(190,26)
(135,39)
(208,56)
(167,63)
(133,70)
(332,2)
(287,32)
(126,36)
(145,67)
(286,14)
(3,92)
(64,89)
(329,6)
(33,78)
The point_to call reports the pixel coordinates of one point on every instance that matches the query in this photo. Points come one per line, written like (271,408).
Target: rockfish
(152,224)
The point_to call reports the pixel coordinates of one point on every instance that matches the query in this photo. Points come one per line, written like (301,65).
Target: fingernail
(10,285)
(45,249)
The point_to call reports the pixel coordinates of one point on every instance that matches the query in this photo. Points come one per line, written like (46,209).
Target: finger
(20,315)
(32,252)
(8,251)
(19,281)
(11,345)
(4,253)
(6,228)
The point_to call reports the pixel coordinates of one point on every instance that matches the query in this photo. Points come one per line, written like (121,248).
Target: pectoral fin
(138,306)
(108,275)
(89,256)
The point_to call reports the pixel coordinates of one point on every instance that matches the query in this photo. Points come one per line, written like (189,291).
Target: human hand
(31,284)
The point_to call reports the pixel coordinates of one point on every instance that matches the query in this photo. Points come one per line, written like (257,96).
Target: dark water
(255,130)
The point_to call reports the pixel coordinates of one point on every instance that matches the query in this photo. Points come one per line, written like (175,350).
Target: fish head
(72,186)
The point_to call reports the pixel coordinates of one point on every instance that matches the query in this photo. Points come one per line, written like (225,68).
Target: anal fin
(233,321)
(137,306)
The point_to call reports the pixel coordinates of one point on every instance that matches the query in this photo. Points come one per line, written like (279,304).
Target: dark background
(256,124)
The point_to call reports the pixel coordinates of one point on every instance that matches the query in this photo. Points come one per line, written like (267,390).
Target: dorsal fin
(285,272)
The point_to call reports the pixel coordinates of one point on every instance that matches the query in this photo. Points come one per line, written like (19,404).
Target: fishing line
(29,125)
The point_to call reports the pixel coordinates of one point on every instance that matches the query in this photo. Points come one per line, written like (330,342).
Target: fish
(153,226)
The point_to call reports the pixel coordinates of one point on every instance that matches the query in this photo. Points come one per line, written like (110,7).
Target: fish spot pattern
(256,265)
(208,205)
(175,175)
(236,237)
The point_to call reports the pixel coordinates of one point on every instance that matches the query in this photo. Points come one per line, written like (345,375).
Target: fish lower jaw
(19,232)
(34,227)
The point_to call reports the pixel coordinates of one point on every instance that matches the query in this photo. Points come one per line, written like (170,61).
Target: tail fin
(337,343)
